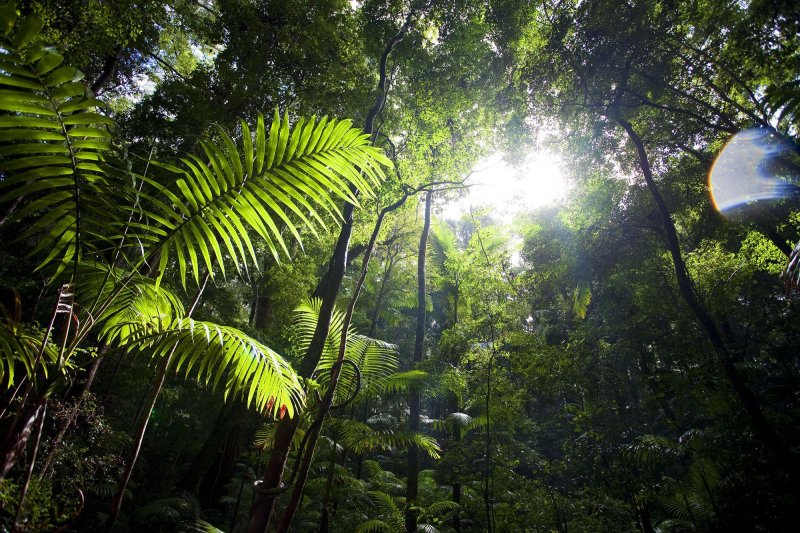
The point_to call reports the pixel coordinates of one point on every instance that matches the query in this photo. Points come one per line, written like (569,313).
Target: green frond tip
(374,526)
(201,526)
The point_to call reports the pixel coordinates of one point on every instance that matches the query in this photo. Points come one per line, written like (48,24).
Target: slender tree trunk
(763,428)
(360,460)
(325,405)
(387,272)
(487,481)
(412,473)
(161,374)
(150,402)
(56,441)
(29,472)
(109,66)
(10,211)
(263,506)
(324,522)
(456,483)
(236,507)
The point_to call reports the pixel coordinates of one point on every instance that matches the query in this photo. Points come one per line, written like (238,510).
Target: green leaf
(581,299)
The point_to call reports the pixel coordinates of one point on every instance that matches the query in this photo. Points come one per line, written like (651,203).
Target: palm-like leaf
(376,359)
(254,372)
(279,181)
(201,526)
(123,303)
(404,381)
(784,99)
(361,438)
(52,143)
(441,507)
(388,509)
(451,421)
(19,349)
(377,526)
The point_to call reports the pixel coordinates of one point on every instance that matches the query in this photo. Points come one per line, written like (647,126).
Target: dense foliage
(220,312)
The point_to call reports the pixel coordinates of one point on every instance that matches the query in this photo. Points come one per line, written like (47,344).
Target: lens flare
(755,168)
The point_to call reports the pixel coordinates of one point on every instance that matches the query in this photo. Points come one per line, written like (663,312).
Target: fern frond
(375,526)
(126,301)
(52,145)
(650,450)
(19,350)
(255,373)
(362,439)
(288,179)
(441,507)
(376,359)
(389,510)
(405,381)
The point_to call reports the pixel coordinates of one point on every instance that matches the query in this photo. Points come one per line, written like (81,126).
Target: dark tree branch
(109,66)
(763,428)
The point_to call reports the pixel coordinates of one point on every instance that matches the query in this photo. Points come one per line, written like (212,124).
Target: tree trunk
(263,506)
(763,428)
(412,473)
(109,66)
(324,521)
(325,405)
(150,402)
(387,272)
(29,472)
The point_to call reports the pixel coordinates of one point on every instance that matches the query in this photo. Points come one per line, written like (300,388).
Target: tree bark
(325,405)
(412,469)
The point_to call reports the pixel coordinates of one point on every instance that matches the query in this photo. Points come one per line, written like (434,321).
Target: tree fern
(375,359)
(361,438)
(392,518)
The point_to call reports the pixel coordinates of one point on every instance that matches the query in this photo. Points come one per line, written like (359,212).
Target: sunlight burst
(506,190)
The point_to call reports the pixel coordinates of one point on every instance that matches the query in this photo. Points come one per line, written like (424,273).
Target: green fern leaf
(269,186)
(52,142)
(253,372)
